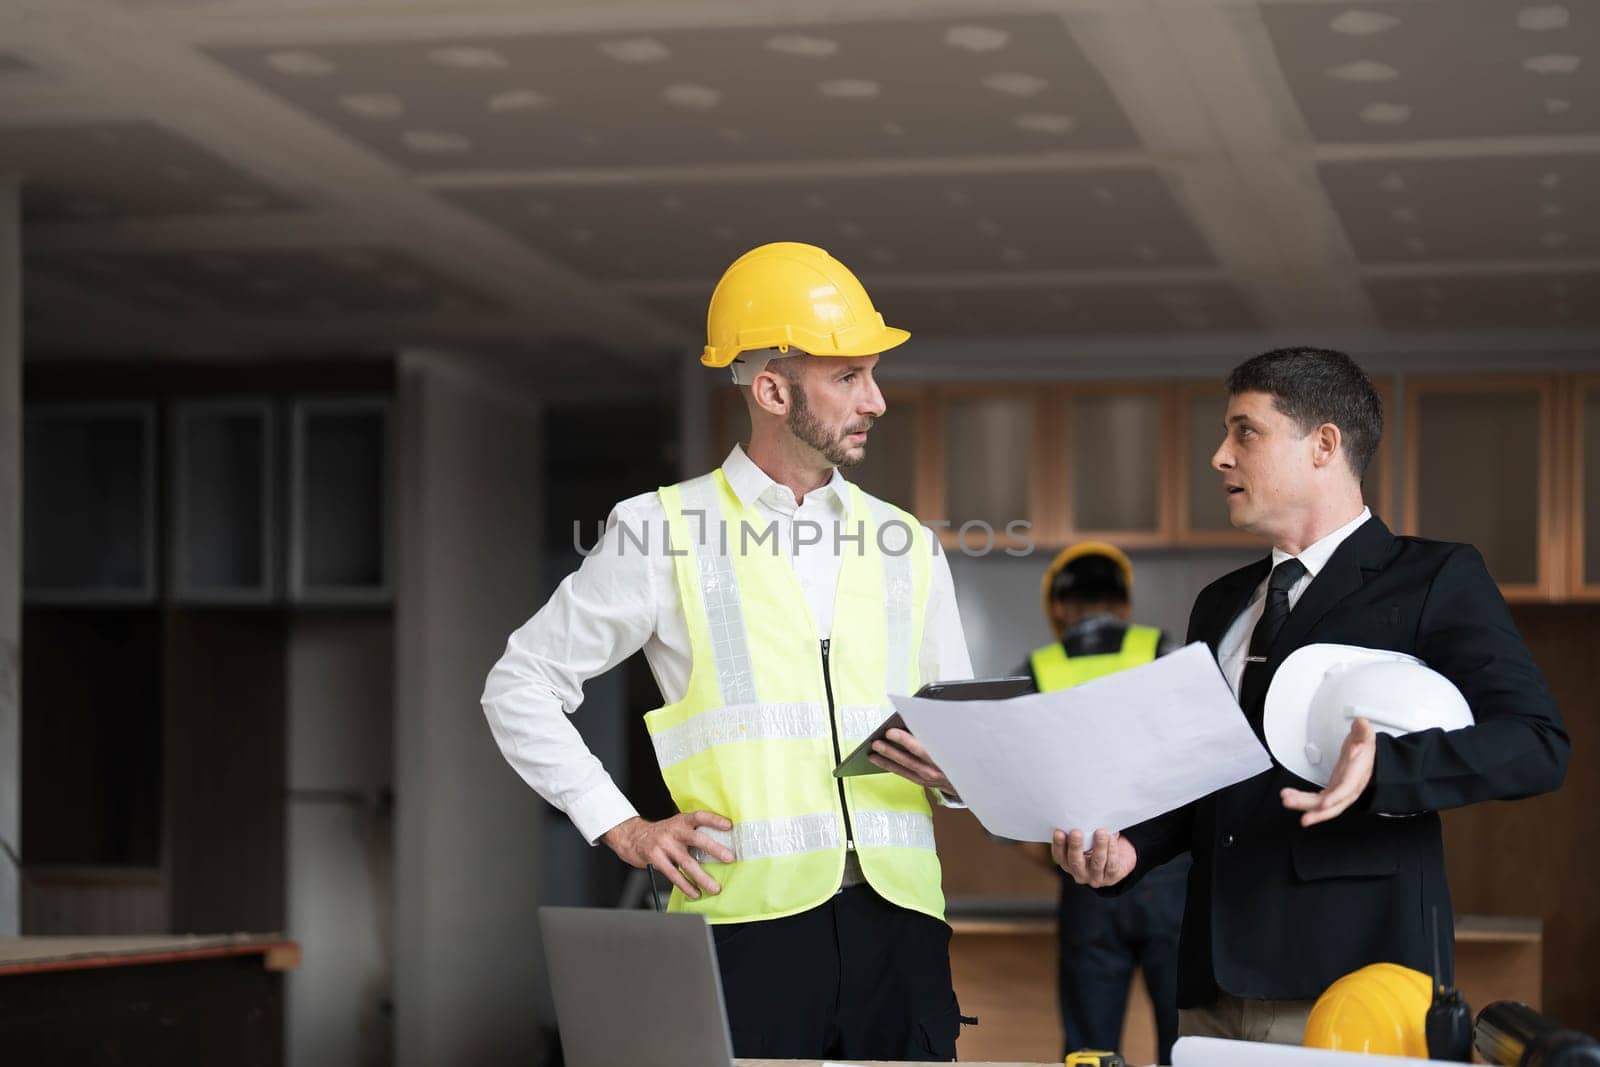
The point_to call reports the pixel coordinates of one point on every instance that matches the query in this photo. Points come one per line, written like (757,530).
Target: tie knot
(1285,574)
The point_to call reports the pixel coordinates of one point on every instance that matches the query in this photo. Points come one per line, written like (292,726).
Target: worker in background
(1087,593)
(777,613)
(1295,885)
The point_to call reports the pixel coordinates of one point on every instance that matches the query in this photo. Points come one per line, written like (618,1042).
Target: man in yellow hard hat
(1088,602)
(778,605)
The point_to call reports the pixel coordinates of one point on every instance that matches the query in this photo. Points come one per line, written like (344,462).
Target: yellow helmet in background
(793,295)
(1078,551)
(1381,1010)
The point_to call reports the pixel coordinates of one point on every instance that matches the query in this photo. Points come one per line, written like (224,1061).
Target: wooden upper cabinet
(987,447)
(89,478)
(340,543)
(1582,495)
(1108,470)
(1479,468)
(222,541)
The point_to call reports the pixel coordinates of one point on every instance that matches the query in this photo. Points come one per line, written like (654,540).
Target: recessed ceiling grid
(272,284)
(1451,137)
(899,89)
(1063,166)
(121,170)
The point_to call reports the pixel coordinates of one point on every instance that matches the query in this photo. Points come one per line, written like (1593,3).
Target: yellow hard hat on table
(795,295)
(1380,1010)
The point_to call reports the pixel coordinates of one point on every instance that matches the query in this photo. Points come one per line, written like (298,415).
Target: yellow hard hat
(1078,551)
(1380,1010)
(789,294)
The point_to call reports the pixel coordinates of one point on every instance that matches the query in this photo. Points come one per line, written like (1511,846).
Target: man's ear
(769,391)
(1326,443)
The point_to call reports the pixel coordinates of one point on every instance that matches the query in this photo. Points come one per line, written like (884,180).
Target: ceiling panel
(1462,68)
(850,90)
(297,283)
(1038,311)
(105,171)
(1500,207)
(1554,301)
(1117,219)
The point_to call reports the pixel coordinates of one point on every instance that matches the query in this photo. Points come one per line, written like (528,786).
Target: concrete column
(469,969)
(10,556)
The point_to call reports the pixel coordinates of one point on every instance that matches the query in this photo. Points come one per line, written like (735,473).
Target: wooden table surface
(33,955)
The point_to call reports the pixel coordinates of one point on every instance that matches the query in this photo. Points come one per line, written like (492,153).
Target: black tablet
(969,689)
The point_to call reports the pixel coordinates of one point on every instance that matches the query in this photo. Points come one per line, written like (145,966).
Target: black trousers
(856,978)
(1103,939)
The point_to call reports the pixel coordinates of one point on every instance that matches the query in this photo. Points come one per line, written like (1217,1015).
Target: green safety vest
(766,717)
(1053,669)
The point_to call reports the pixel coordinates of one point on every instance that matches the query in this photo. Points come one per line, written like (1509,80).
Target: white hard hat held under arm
(1319,690)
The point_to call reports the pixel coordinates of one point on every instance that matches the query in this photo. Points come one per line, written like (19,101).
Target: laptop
(635,988)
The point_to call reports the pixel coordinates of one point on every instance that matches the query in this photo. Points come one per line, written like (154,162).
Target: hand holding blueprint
(1106,754)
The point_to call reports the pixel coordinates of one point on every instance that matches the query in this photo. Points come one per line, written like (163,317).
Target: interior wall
(340,693)
(10,555)
(468,962)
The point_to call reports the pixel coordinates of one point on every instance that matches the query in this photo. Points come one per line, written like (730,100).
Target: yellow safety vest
(1053,669)
(770,709)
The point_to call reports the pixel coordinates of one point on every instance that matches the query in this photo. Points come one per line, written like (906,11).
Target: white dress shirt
(623,599)
(1235,646)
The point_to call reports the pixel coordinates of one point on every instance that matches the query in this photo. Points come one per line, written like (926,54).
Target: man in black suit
(1293,887)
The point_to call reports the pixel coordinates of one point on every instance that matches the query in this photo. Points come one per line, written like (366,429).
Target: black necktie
(1273,616)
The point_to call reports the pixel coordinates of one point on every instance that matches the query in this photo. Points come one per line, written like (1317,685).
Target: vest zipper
(838,755)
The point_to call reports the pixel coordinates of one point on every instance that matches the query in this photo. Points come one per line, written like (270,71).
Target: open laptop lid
(635,987)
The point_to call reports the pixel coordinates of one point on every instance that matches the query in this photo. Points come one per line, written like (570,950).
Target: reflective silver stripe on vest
(719,594)
(739,722)
(856,721)
(776,837)
(892,829)
(898,590)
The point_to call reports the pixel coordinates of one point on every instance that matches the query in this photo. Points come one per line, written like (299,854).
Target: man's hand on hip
(1107,863)
(1349,779)
(904,755)
(666,845)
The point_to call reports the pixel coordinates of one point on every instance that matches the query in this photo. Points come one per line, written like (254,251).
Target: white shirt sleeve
(944,656)
(600,615)
(944,644)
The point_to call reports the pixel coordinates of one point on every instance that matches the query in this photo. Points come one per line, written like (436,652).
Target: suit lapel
(1346,571)
(1232,598)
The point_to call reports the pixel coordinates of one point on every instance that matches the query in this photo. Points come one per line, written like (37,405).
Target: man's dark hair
(1091,579)
(1317,385)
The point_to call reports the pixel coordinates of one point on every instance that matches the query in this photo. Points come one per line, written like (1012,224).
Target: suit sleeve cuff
(1367,802)
(599,810)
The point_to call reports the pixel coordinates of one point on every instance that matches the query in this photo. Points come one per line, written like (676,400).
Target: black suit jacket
(1279,912)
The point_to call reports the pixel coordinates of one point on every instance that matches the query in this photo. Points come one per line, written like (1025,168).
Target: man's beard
(804,425)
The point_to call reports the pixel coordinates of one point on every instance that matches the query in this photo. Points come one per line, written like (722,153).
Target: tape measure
(1088,1057)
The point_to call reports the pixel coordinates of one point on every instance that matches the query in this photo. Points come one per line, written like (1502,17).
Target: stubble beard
(809,429)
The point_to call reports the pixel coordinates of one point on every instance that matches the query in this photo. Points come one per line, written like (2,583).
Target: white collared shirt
(1235,646)
(623,599)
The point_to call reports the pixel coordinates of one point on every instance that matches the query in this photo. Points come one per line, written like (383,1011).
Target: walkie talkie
(1448,1026)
